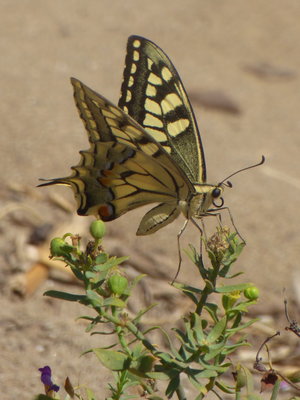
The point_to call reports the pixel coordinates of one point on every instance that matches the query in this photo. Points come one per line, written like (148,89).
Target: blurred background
(239,62)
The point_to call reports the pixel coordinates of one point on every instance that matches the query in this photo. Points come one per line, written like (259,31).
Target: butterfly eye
(216,193)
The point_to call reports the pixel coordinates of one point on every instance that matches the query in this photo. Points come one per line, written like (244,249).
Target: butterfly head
(206,197)
(211,195)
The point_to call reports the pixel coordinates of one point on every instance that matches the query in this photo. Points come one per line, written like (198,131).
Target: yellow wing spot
(150,120)
(115,111)
(83,104)
(167,149)
(177,127)
(88,114)
(136,44)
(132,131)
(93,124)
(154,79)
(107,113)
(151,90)
(152,106)
(170,102)
(112,122)
(149,62)
(158,135)
(130,81)
(119,134)
(98,102)
(94,133)
(136,55)
(166,74)
(128,96)
(125,109)
(124,190)
(149,148)
(133,69)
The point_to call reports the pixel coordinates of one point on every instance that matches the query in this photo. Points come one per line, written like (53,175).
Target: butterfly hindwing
(124,168)
(153,95)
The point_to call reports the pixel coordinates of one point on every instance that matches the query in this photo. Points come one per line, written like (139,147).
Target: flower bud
(251,293)
(117,284)
(97,229)
(59,248)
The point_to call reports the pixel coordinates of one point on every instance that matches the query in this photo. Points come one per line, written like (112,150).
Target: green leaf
(197,260)
(101,258)
(114,301)
(142,312)
(224,387)
(200,387)
(203,374)
(189,291)
(94,298)
(242,326)
(159,376)
(232,288)
(78,274)
(214,350)
(66,296)
(197,327)
(173,386)
(212,309)
(113,360)
(217,330)
(136,280)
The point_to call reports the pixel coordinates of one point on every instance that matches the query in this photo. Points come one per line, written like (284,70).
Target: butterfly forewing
(106,122)
(153,94)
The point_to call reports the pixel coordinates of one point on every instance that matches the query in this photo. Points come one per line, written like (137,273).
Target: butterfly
(147,150)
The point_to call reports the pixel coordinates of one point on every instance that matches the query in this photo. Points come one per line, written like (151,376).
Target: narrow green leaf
(94,298)
(66,296)
(213,351)
(243,326)
(198,327)
(173,386)
(204,374)
(114,301)
(232,288)
(224,387)
(217,330)
(162,376)
(113,360)
(200,387)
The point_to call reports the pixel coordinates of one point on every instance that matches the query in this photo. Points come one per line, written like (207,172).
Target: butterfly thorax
(201,200)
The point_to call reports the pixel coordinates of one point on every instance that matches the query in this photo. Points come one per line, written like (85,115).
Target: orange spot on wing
(104,211)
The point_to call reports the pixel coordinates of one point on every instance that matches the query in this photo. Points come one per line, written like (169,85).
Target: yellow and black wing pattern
(147,150)
(153,95)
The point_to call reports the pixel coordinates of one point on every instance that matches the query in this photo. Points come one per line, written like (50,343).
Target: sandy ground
(247,52)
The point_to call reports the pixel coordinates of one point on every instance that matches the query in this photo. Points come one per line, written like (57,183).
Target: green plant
(213,329)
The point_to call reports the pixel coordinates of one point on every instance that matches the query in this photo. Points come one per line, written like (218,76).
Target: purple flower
(47,381)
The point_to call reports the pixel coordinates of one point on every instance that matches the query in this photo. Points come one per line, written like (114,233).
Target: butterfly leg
(179,250)
(202,232)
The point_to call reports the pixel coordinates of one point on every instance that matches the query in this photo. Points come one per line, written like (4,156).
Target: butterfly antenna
(263,159)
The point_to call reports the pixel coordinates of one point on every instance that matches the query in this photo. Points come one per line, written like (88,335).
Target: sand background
(247,52)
